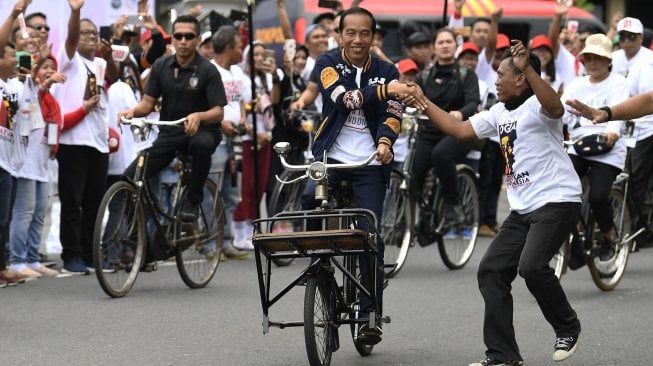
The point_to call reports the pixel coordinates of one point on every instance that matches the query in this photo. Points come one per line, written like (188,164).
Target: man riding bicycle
(190,87)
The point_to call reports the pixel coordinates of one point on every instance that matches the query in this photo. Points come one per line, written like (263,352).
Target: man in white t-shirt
(228,54)
(83,155)
(544,194)
(636,63)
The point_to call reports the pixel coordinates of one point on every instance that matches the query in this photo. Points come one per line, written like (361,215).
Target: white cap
(632,25)
(206,35)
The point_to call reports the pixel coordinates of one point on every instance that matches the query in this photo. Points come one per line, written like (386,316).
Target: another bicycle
(399,225)
(287,190)
(332,239)
(131,223)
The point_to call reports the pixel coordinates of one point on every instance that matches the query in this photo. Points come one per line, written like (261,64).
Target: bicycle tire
(607,274)
(319,321)
(119,239)
(456,246)
(286,197)
(352,301)
(198,260)
(396,225)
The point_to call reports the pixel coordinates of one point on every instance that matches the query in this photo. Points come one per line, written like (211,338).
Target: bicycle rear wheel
(119,239)
(457,245)
(199,244)
(319,319)
(396,225)
(352,300)
(607,274)
(286,197)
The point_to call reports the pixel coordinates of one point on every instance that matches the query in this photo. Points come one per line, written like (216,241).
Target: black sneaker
(494,362)
(607,250)
(189,211)
(565,347)
(452,214)
(369,336)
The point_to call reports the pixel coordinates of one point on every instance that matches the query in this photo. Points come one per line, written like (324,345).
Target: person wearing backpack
(454,88)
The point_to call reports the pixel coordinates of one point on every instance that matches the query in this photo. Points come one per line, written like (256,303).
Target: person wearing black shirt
(191,87)
(454,88)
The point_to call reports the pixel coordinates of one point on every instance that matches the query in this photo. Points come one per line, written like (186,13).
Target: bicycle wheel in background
(199,244)
(286,197)
(319,319)
(396,225)
(119,239)
(457,245)
(607,274)
(351,296)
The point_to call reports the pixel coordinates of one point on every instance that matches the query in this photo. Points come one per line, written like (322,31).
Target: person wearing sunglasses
(39,22)
(189,87)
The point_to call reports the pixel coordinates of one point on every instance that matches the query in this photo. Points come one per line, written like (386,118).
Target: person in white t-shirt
(597,89)
(544,193)
(228,53)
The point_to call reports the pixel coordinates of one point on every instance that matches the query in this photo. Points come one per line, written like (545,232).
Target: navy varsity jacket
(336,79)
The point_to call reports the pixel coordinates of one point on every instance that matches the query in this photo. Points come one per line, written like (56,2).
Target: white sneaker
(244,245)
(239,234)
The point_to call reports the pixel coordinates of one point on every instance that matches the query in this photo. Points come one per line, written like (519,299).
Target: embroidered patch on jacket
(328,77)
(394,124)
(395,108)
(353,99)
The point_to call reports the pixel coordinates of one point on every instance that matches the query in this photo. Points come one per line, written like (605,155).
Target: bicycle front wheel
(396,225)
(319,320)
(119,239)
(199,244)
(457,245)
(607,274)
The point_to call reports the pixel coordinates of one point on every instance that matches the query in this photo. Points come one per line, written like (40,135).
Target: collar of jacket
(366,66)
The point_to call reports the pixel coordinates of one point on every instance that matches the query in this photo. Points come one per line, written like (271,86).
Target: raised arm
(561,10)
(548,98)
(72,40)
(284,20)
(5,30)
(491,46)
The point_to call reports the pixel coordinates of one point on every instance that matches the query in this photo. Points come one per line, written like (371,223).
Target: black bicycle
(131,223)
(331,237)
(400,226)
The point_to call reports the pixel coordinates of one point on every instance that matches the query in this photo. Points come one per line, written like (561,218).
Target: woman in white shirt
(597,89)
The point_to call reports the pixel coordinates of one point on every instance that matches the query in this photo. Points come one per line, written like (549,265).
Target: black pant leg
(200,147)
(73,172)
(445,155)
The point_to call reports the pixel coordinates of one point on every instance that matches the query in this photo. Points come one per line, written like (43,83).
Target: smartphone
(25,61)
(106,32)
(134,19)
(236,15)
(329,4)
(269,56)
(572,26)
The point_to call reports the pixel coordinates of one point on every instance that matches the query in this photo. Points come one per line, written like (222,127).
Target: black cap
(322,16)
(417,38)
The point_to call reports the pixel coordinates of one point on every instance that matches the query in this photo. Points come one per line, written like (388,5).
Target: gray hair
(224,37)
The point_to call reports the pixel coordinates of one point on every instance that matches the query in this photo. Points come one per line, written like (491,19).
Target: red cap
(541,41)
(148,34)
(407,65)
(502,41)
(468,46)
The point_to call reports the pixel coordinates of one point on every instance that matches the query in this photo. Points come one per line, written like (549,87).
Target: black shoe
(494,362)
(369,336)
(607,250)
(577,258)
(189,211)
(425,233)
(565,347)
(452,214)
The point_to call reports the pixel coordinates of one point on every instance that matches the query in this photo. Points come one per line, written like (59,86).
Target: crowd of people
(508,95)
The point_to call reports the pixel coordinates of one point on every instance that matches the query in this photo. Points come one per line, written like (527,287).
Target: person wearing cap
(206,46)
(455,89)
(598,88)
(544,193)
(420,49)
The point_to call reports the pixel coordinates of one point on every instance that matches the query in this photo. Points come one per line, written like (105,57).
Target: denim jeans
(230,194)
(525,244)
(6,186)
(27,220)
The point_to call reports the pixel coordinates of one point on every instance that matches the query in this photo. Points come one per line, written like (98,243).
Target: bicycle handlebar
(318,170)
(137,121)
